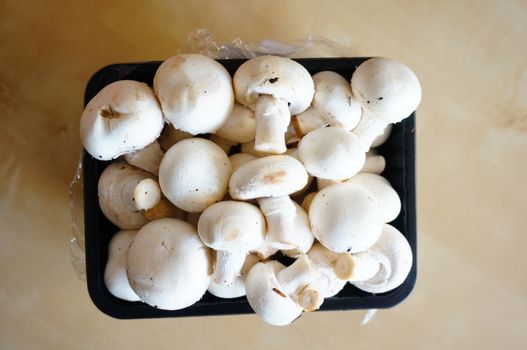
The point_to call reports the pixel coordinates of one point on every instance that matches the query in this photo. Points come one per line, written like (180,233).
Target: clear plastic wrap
(201,41)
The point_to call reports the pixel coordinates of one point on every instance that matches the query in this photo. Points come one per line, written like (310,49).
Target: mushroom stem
(228,266)
(272,119)
(108,112)
(368,129)
(374,164)
(307,121)
(280,215)
(310,299)
(294,278)
(146,194)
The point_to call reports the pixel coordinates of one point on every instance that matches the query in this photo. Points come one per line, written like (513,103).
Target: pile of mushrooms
(213,176)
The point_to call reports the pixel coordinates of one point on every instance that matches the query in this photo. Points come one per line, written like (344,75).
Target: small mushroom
(271,176)
(240,127)
(194,174)
(232,229)
(273,290)
(115,271)
(237,289)
(346,217)
(123,117)
(395,258)
(334,100)
(239,159)
(274,87)
(170,136)
(123,191)
(374,163)
(331,153)
(168,266)
(383,191)
(195,93)
(388,92)
(148,158)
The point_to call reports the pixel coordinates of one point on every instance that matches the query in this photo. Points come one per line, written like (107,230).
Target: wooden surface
(471,58)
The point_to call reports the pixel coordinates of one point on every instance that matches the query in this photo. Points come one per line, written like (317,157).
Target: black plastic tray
(399,152)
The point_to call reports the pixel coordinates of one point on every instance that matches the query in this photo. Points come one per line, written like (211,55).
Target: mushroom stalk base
(294,278)
(272,119)
(228,267)
(368,129)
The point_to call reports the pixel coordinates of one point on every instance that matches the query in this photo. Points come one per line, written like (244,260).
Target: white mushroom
(381,139)
(194,174)
(271,176)
(274,87)
(239,159)
(388,92)
(395,257)
(334,101)
(115,271)
(121,187)
(302,236)
(273,290)
(383,191)
(232,229)
(168,266)
(374,163)
(240,127)
(331,153)
(307,121)
(170,136)
(237,289)
(123,117)
(148,158)
(195,93)
(346,217)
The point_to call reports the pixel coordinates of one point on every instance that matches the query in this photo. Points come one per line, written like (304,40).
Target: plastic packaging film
(202,41)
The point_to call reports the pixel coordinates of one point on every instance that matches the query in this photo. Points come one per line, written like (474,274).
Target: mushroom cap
(303,234)
(264,295)
(123,117)
(279,77)
(194,174)
(232,226)
(331,153)
(168,266)
(393,246)
(380,188)
(334,101)
(115,277)
(238,287)
(271,176)
(386,89)
(195,93)
(346,217)
(239,159)
(115,191)
(240,126)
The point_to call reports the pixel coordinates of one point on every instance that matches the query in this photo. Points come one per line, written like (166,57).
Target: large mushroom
(394,255)
(123,117)
(168,266)
(195,93)
(194,174)
(275,88)
(124,191)
(115,277)
(232,229)
(388,92)
(346,217)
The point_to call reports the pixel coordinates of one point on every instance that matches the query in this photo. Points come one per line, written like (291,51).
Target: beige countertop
(471,58)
